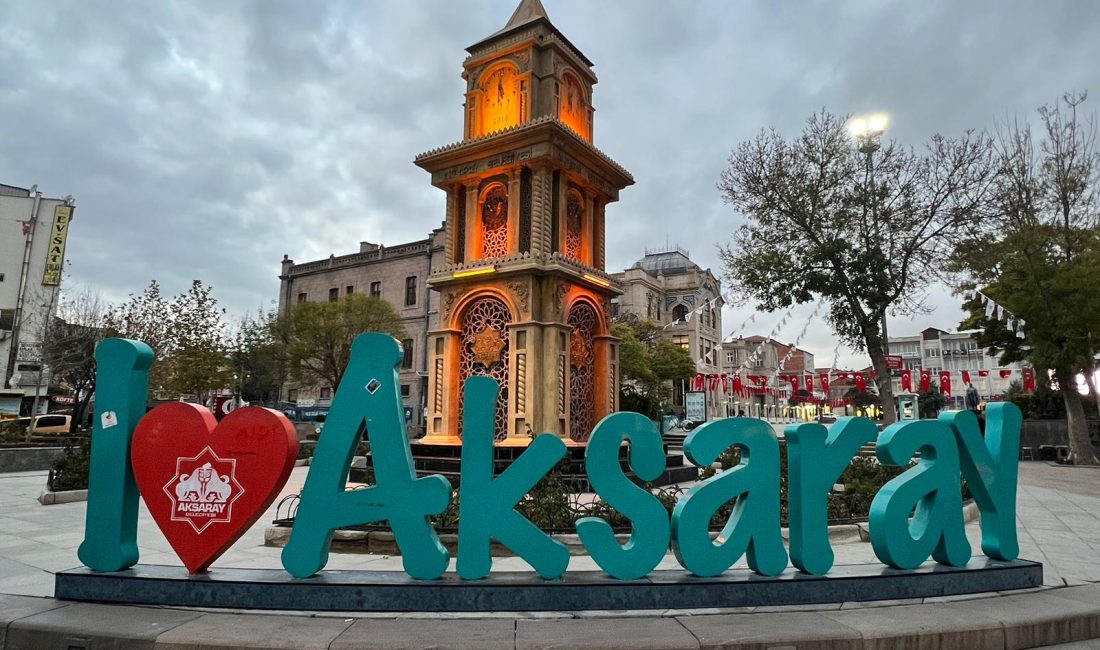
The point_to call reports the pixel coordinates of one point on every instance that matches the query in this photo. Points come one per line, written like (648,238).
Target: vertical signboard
(695,405)
(55,255)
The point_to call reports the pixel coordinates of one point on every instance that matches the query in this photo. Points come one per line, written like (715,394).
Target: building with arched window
(513,285)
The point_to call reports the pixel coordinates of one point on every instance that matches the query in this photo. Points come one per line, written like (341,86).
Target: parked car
(50,423)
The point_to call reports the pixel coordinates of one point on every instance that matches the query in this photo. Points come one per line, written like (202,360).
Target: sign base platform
(394,591)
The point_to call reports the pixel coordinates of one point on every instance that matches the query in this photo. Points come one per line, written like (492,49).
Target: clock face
(573,107)
(500,100)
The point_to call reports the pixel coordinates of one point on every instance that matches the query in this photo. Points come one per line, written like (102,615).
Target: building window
(410,291)
(350,290)
(407,360)
(731,358)
(302,297)
(682,341)
(615,309)
(376,289)
(406,390)
(679,312)
(326,393)
(292,395)
(334,294)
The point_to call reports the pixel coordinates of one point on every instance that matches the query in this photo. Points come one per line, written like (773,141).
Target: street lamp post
(868,133)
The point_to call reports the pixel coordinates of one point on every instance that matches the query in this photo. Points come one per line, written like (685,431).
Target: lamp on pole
(868,132)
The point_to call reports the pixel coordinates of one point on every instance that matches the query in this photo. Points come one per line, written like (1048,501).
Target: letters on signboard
(915,516)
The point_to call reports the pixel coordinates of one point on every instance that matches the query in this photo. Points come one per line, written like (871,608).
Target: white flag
(989,309)
(1000,312)
(1019,334)
(1010,325)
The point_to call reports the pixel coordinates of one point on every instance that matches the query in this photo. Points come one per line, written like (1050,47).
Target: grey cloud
(207,139)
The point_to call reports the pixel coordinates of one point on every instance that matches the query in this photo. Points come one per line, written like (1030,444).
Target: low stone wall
(28,459)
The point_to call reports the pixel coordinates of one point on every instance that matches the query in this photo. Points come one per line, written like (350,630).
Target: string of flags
(992,309)
(707,305)
(736,385)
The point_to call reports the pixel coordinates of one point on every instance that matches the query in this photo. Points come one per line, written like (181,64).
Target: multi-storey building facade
(665,287)
(396,274)
(938,350)
(33,235)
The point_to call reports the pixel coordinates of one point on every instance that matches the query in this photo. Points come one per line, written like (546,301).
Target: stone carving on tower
(524,287)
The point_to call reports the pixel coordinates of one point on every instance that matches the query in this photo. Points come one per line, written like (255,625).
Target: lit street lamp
(868,133)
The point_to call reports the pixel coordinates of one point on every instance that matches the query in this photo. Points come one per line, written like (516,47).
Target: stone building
(666,287)
(398,275)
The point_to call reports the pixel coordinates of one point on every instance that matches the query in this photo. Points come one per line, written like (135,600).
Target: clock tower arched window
(494,222)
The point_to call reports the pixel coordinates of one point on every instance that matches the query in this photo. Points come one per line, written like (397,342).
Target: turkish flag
(810,383)
(738,387)
(966,376)
(725,382)
(794,382)
(824,383)
(1005,373)
(983,373)
(841,375)
(945,382)
(925,380)
(907,380)
(698,383)
(1029,379)
(861,381)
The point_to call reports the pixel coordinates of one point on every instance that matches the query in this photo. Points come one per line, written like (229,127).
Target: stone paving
(1059,525)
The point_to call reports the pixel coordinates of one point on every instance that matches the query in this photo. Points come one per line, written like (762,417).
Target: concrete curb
(988,621)
(48,498)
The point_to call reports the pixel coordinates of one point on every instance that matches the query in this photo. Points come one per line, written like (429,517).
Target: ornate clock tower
(524,298)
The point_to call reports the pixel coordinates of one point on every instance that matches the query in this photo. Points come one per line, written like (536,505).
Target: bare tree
(69,350)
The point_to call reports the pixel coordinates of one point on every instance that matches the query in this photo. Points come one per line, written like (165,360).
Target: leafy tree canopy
(819,223)
(317,336)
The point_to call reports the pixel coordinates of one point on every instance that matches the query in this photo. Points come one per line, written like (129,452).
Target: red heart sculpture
(206,482)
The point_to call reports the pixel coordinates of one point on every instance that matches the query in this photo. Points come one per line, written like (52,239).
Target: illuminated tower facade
(524,297)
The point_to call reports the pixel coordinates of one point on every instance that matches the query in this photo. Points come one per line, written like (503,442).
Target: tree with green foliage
(199,359)
(257,358)
(316,337)
(648,364)
(1038,255)
(819,224)
(188,335)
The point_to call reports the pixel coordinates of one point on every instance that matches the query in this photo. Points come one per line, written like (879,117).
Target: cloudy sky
(206,139)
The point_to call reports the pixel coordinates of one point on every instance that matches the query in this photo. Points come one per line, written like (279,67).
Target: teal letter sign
(816,457)
(753,527)
(931,491)
(367,397)
(649,540)
(989,466)
(487,505)
(122,381)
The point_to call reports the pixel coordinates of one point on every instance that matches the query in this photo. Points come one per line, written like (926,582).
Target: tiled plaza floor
(1058,518)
